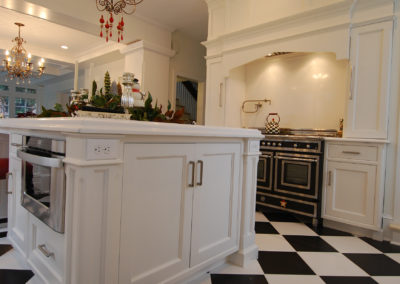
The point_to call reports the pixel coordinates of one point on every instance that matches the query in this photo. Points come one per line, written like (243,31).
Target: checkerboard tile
(291,251)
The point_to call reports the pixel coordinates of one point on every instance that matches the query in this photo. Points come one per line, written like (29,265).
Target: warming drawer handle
(40,160)
(191,163)
(45,251)
(7,178)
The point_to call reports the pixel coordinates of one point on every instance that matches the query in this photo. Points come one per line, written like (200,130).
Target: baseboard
(357,231)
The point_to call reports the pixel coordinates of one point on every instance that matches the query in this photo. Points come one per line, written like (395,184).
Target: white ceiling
(44,38)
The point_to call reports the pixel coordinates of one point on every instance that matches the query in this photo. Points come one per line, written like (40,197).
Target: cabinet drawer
(46,251)
(306,208)
(353,152)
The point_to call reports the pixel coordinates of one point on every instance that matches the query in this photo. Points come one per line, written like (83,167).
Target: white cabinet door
(156,212)
(215,203)
(17,215)
(350,193)
(370,57)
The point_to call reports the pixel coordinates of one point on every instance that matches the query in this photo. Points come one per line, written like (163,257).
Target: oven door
(264,171)
(43,187)
(297,174)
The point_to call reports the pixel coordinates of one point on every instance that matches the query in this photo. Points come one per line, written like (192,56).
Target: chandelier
(18,63)
(120,6)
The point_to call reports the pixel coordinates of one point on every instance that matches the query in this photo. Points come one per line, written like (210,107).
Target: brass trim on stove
(265,156)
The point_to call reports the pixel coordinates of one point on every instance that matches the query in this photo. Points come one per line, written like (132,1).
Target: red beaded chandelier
(121,6)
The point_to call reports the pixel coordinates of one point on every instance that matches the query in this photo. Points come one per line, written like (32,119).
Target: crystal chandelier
(18,63)
(120,6)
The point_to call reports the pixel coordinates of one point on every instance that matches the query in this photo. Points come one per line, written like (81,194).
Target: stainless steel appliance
(43,179)
(290,173)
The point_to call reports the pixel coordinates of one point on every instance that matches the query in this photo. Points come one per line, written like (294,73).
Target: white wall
(114,67)
(307,90)
(188,61)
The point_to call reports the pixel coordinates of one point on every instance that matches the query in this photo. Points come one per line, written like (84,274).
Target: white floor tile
(387,279)
(350,244)
(36,280)
(394,256)
(298,279)
(272,242)
(260,217)
(12,260)
(331,264)
(204,280)
(5,241)
(251,268)
(289,228)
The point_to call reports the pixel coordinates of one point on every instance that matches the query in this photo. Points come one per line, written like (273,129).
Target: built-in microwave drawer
(46,250)
(306,208)
(353,152)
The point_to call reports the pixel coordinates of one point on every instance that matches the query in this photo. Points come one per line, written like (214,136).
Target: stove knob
(295,145)
(263,143)
(262,198)
(279,144)
(308,146)
(274,144)
(269,143)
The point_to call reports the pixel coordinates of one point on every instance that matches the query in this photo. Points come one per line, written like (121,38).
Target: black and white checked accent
(294,252)
(11,266)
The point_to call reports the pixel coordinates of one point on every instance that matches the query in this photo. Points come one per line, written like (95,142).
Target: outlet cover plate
(102,149)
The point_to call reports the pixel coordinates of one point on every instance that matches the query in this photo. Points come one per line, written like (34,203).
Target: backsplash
(308,90)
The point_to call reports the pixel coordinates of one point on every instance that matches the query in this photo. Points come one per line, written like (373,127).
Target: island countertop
(130,127)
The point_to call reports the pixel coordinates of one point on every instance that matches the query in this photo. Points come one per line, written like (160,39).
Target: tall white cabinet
(370,63)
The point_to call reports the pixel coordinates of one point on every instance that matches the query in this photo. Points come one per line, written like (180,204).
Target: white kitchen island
(145,202)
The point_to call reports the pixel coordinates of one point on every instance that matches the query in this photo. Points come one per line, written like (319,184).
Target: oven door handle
(40,160)
(296,159)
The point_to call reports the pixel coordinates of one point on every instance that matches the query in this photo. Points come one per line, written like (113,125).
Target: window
(3,88)
(4,106)
(24,105)
(25,90)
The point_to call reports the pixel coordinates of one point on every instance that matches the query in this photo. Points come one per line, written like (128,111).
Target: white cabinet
(353,187)
(17,215)
(370,59)
(178,208)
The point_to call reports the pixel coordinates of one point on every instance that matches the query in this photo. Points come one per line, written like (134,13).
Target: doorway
(189,95)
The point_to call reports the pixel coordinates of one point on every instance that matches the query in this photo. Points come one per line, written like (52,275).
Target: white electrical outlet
(102,149)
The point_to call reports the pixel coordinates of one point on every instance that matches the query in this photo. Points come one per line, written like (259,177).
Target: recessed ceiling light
(64,47)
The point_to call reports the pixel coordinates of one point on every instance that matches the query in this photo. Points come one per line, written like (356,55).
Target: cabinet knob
(45,251)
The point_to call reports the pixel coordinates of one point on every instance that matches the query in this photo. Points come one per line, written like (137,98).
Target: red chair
(3,167)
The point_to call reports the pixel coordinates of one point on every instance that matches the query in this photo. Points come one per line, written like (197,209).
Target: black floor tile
(375,264)
(309,243)
(280,217)
(348,280)
(11,276)
(237,279)
(265,228)
(4,249)
(323,231)
(384,246)
(3,234)
(283,263)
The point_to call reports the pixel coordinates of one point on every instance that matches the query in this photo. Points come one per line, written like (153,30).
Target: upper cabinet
(368,101)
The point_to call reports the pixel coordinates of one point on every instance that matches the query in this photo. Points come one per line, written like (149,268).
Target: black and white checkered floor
(293,252)
(290,252)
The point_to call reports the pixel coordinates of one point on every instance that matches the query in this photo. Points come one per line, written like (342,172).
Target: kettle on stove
(271,124)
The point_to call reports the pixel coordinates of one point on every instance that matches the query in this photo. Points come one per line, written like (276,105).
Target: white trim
(140,45)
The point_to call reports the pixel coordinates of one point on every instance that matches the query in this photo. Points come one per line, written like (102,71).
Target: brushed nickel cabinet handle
(201,172)
(351,152)
(16,144)
(44,250)
(329,178)
(191,163)
(7,178)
